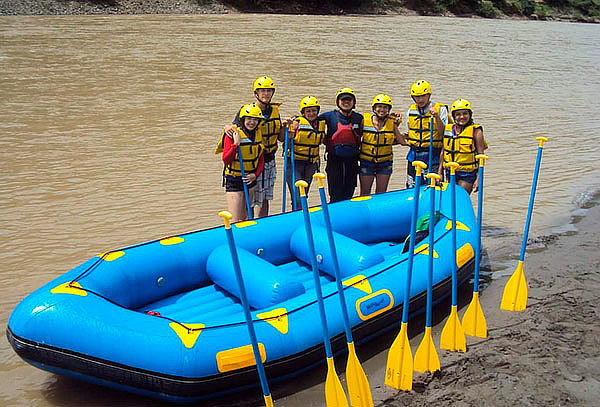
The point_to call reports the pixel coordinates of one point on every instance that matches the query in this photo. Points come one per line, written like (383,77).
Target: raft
(164,319)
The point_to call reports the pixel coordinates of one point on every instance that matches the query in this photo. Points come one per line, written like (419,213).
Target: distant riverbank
(564,10)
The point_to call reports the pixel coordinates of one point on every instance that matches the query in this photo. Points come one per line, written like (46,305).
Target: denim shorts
(469,177)
(371,168)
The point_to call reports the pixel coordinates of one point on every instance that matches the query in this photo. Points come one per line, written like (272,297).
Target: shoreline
(192,7)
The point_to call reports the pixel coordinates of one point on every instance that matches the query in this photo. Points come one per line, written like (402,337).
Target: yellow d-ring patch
(237,358)
(172,240)
(71,287)
(111,256)
(188,334)
(374,304)
(459,226)
(361,198)
(424,249)
(359,282)
(245,224)
(277,317)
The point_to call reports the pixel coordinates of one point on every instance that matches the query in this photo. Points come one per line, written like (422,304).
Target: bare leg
(466,185)
(262,211)
(236,204)
(366,182)
(382,182)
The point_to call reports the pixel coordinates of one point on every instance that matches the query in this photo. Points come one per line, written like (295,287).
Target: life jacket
(419,132)
(251,150)
(461,148)
(307,140)
(376,145)
(345,140)
(270,128)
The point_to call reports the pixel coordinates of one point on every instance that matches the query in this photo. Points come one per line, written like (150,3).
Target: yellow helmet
(345,91)
(460,104)
(383,99)
(263,82)
(251,110)
(419,88)
(309,101)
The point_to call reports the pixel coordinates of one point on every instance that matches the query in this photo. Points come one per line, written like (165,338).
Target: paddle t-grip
(302,185)
(481,158)
(320,177)
(453,166)
(433,178)
(542,140)
(419,167)
(227,216)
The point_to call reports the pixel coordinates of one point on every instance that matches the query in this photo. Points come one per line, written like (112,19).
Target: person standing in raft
(417,131)
(380,133)
(344,130)
(264,89)
(463,140)
(308,133)
(246,139)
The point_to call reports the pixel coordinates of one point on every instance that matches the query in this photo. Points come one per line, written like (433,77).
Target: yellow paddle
(514,297)
(359,391)
(399,368)
(334,392)
(426,357)
(453,336)
(474,322)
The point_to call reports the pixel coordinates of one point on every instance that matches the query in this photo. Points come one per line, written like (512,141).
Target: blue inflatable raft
(163,318)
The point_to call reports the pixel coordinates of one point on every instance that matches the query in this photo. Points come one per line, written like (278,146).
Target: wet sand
(546,355)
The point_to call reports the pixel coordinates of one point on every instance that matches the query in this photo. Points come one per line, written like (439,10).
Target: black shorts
(235,184)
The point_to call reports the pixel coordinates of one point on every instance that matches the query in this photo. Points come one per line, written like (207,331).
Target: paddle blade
(399,369)
(453,336)
(515,294)
(359,391)
(473,321)
(334,392)
(426,357)
(268,401)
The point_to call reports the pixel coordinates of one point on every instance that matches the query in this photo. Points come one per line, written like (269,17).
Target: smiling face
(310,113)
(381,109)
(422,100)
(250,122)
(264,95)
(462,117)
(346,102)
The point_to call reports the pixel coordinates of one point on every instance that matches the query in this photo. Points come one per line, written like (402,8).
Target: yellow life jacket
(376,145)
(251,151)
(270,127)
(419,132)
(461,148)
(307,140)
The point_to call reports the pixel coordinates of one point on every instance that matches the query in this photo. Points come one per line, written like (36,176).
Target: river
(108,126)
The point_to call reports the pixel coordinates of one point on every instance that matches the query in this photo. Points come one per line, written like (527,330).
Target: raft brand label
(374,304)
(237,358)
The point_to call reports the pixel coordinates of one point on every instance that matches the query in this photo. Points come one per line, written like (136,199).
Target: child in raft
(380,133)
(308,133)
(463,140)
(246,140)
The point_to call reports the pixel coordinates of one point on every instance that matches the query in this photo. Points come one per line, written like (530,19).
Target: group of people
(357,145)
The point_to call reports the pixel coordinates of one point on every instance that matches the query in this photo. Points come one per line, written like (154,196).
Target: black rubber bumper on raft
(204,387)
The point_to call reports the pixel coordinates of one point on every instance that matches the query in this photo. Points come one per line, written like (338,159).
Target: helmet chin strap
(260,101)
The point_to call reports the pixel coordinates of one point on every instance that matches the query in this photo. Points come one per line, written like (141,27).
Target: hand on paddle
(249,178)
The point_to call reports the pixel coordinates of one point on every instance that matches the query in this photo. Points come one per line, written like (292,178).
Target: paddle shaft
(536,173)
(293,168)
(315,270)
(246,194)
(453,214)
(430,160)
(240,280)
(430,264)
(411,246)
(479,228)
(336,264)
(285,169)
